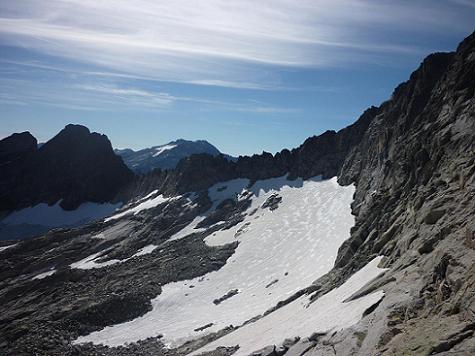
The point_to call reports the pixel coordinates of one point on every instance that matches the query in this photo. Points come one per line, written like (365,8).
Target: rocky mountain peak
(73,167)
(75,129)
(165,156)
(16,145)
(78,142)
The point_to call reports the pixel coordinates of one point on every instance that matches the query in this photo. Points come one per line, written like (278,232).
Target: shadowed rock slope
(73,167)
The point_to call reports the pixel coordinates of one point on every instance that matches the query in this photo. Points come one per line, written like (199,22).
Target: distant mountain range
(165,156)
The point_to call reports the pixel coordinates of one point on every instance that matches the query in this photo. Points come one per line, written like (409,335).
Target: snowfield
(301,318)
(280,252)
(55,216)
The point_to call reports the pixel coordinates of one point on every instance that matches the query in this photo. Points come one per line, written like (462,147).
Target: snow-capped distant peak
(159,150)
(165,156)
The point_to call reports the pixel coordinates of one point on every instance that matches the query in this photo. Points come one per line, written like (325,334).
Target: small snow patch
(161,149)
(145,250)
(149,195)
(45,274)
(3,248)
(145,205)
(90,263)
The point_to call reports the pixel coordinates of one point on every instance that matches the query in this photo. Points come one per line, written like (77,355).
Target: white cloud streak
(217,42)
(113,97)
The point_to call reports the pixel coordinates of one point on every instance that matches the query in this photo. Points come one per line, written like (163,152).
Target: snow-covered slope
(280,252)
(41,218)
(302,318)
(164,156)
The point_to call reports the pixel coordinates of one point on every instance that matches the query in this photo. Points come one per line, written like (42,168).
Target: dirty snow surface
(280,252)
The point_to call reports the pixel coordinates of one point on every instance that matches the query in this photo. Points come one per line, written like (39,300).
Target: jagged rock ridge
(318,155)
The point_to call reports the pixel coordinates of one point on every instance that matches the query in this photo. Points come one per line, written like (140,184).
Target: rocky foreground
(412,161)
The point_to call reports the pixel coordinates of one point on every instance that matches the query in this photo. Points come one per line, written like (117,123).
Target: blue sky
(245,75)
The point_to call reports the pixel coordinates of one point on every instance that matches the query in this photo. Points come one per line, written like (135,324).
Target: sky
(248,76)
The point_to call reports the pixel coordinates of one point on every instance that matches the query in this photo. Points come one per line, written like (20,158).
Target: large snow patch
(301,318)
(280,252)
(54,216)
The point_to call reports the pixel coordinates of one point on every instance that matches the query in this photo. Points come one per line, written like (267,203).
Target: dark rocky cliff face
(414,172)
(420,146)
(75,166)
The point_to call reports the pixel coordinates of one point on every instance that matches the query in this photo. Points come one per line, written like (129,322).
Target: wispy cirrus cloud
(147,98)
(219,42)
(134,96)
(88,96)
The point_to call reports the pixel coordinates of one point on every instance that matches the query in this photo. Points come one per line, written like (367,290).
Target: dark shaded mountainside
(73,167)
(412,161)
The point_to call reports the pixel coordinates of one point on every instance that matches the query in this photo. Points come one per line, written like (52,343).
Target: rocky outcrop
(415,152)
(73,167)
